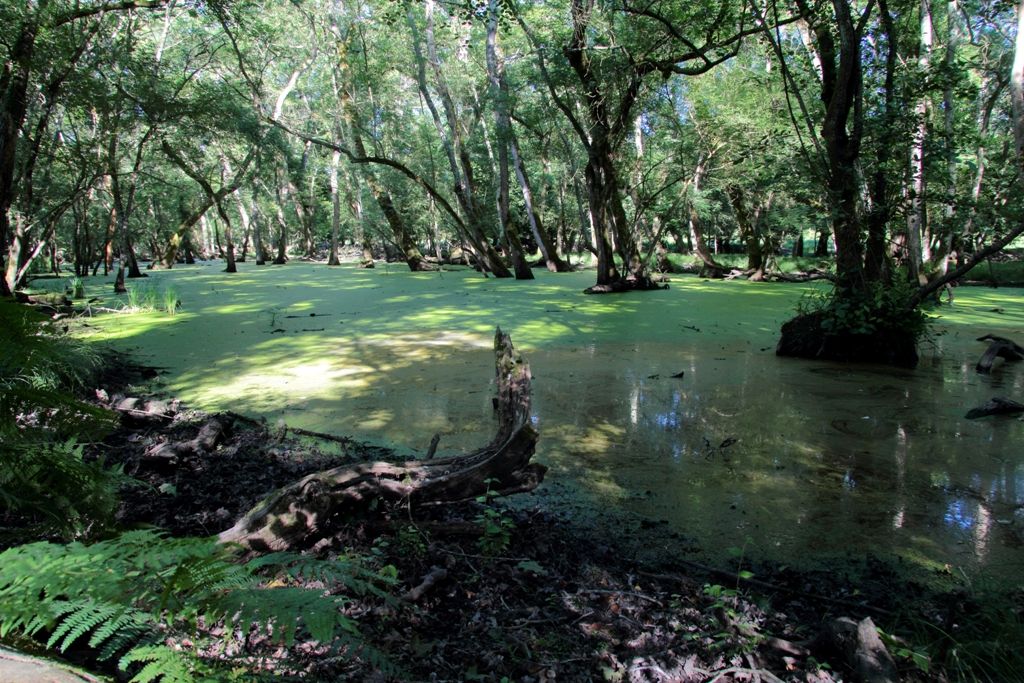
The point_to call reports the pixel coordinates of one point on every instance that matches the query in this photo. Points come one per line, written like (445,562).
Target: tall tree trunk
(987,101)
(332,259)
(1017,92)
(876,256)
(613,234)
(748,231)
(459,161)
(343,85)
(696,224)
(305,205)
(842,130)
(508,147)
(257,231)
(508,229)
(549,249)
(14,79)
(354,195)
(946,236)
(244,220)
(918,247)
(281,191)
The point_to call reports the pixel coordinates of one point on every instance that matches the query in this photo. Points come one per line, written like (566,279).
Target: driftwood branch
(996,406)
(999,347)
(314,507)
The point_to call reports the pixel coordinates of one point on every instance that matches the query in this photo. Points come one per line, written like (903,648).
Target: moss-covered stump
(805,337)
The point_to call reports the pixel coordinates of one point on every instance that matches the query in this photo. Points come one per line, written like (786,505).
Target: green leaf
(533,567)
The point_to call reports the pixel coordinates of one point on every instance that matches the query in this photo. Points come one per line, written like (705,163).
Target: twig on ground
(320,435)
(630,593)
(435,575)
(733,670)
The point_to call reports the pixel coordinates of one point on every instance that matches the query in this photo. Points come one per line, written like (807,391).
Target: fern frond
(355,647)
(337,572)
(160,663)
(79,618)
(131,591)
(282,610)
(120,633)
(52,481)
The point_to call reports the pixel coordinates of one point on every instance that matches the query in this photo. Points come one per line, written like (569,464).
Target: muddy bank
(523,593)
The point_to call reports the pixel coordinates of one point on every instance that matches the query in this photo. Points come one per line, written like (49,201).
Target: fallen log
(313,508)
(142,411)
(999,347)
(52,302)
(996,406)
(210,435)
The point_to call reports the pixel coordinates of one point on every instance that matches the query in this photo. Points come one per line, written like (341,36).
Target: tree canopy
(500,132)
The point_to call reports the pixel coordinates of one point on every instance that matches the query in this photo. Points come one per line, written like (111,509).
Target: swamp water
(791,460)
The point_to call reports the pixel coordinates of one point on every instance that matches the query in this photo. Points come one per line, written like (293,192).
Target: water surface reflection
(790,457)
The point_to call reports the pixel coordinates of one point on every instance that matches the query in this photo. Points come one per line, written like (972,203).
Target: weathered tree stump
(806,337)
(999,347)
(313,508)
(861,647)
(212,433)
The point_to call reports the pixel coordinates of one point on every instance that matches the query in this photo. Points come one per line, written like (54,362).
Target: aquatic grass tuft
(147,298)
(76,288)
(170,301)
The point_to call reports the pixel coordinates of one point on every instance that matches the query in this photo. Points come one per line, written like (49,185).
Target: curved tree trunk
(459,159)
(314,507)
(343,82)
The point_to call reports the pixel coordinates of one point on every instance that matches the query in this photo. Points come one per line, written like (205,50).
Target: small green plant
(719,593)
(170,301)
(878,309)
(411,541)
(76,288)
(141,298)
(147,298)
(496,527)
(903,650)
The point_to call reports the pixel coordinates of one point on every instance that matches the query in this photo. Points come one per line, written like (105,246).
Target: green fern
(347,572)
(160,663)
(46,486)
(126,595)
(55,489)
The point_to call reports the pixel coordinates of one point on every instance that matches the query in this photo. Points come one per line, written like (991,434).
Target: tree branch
(91,11)
(924,291)
(383,161)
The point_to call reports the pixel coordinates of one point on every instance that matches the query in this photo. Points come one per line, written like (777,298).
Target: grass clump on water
(147,298)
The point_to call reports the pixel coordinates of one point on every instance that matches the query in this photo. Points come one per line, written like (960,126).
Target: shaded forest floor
(489,592)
